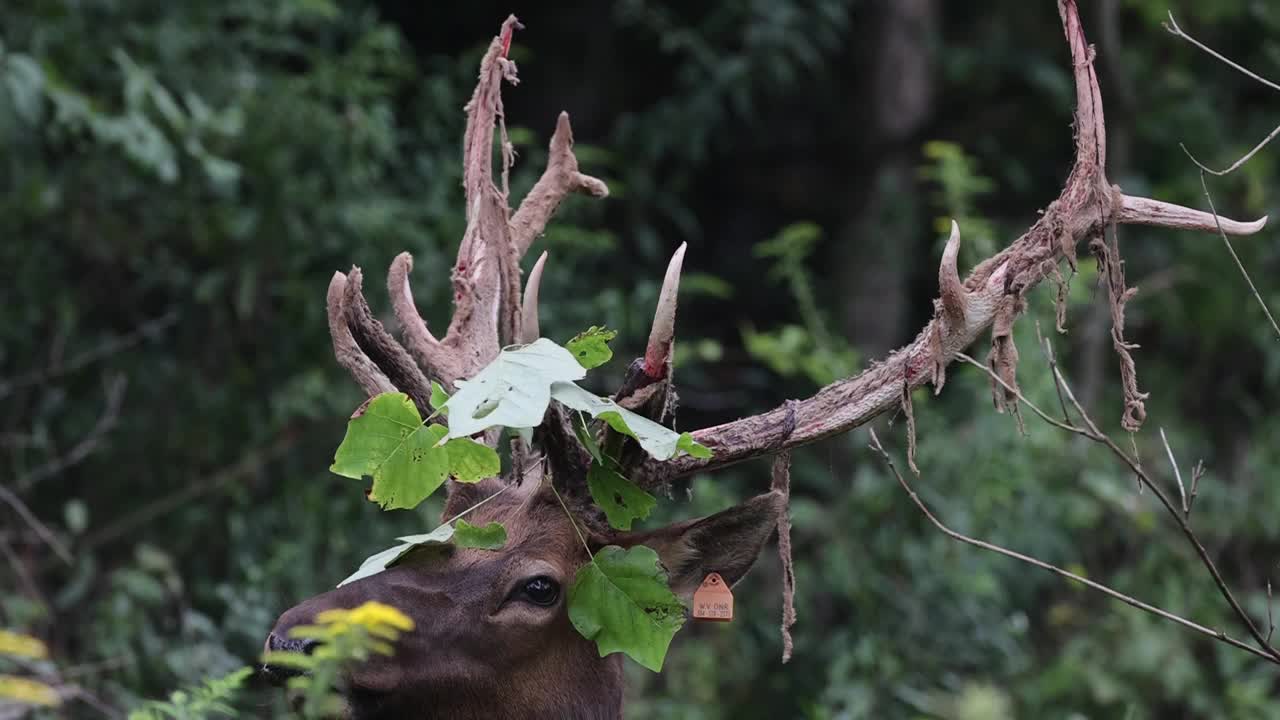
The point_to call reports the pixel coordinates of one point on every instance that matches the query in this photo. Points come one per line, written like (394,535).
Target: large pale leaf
(621,500)
(621,601)
(661,442)
(513,390)
(389,443)
(380,561)
(485,537)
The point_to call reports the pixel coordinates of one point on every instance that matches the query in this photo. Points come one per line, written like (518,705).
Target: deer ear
(726,543)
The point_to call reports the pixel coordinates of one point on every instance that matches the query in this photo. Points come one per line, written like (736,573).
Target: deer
(492,637)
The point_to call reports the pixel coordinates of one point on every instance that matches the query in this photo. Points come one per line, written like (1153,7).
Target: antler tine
(378,345)
(435,359)
(559,179)
(372,380)
(529,330)
(949,285)
(657,354)
(994,289)
(485,275)
(1157,213)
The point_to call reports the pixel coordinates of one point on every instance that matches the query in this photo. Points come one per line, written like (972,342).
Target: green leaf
(380,561)
(438,398)
(513,390)
(686,443)
(621,601)
(490,537)
(470,461)
(591,347)
(621,500)
(587,439)
(389,443)
(661,442)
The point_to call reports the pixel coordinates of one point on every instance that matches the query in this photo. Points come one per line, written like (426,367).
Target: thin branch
(164,505)
(1053,363)
(112,346)
(1115,594)
(48,536)
(1197,472)
(83,449)
(1236,165)
(1145,480)
(24,576)
(1231,249)
(1025,401)
(1177,474)
(1172,27)
(1271,623)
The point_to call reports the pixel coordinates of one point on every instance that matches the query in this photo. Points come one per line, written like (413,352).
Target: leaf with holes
(389,443)
(661,442)
(470,461)
(621,601)
(591,347)
(486,537)
(513,390)
(621,500)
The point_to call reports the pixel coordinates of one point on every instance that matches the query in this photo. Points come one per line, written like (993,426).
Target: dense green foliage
(179,181)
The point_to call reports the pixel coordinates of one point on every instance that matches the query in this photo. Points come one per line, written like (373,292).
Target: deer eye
(542,590)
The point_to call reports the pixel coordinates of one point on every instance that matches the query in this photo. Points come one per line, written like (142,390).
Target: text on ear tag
(713,600)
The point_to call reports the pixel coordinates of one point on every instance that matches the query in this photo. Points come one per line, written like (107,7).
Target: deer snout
(278,641)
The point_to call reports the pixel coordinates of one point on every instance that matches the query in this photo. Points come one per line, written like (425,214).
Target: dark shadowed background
(178,182)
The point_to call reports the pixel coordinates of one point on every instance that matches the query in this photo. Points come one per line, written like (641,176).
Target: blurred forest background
(178,182)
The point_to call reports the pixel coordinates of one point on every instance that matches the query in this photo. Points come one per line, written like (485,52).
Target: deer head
(492,634)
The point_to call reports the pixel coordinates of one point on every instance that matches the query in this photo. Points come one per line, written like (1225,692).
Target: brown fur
(477,651)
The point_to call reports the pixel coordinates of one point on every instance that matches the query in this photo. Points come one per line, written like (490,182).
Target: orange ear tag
(713,600)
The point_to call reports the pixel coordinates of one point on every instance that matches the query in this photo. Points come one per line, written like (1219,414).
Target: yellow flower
(27,692)
(373,616)
(24,646)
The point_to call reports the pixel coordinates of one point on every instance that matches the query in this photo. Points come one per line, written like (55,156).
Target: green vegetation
(179,181)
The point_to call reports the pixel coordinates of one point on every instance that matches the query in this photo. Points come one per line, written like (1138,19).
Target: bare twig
(23,575)
(1110,592)
(1053,363)
(163,505)
(83,449)
(1023,398)
(1172,27)
(1271,623)
(1231,249)
(1241,161)
(1177,474)
(1197,472)
(48,536)
(110,347)
(1091,431)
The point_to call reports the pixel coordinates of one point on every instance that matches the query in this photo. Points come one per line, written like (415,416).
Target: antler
(991,296)
(486,275)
